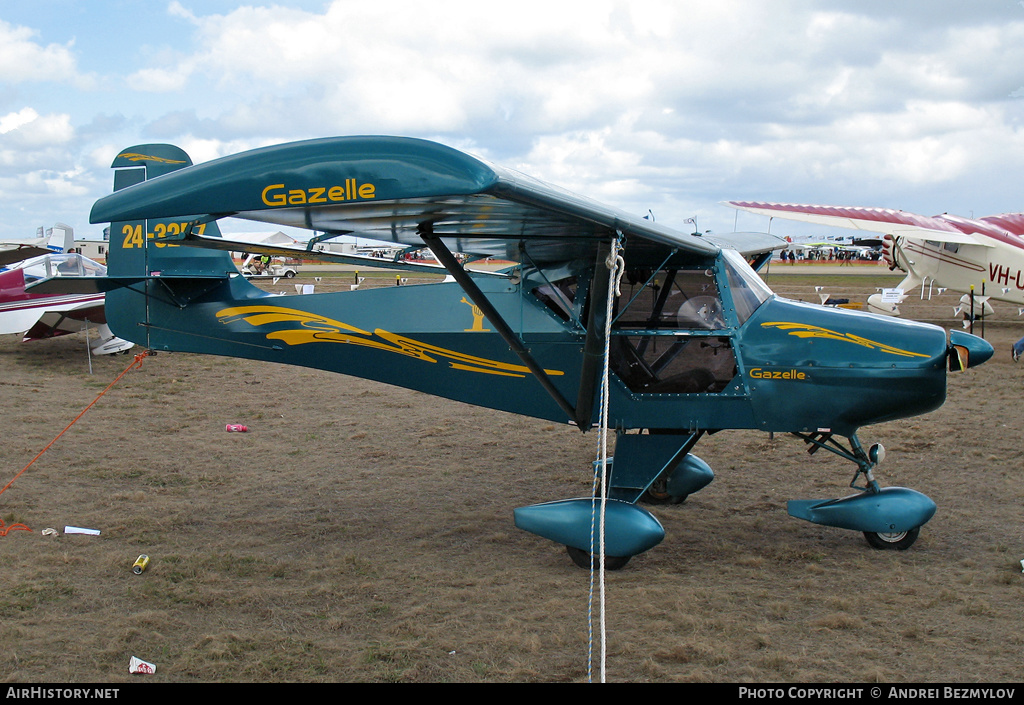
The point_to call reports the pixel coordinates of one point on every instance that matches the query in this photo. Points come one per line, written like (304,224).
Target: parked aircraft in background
(78,306)
(59,238)
(945,250)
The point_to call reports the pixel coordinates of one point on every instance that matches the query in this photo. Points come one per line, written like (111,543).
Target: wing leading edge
(940,228)
(13,252)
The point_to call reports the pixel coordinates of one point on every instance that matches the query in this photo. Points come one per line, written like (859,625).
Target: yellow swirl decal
(136,157)
(313,328)
(803,330)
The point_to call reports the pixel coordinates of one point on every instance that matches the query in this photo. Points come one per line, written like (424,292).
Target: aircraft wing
(17,251)
(394,189)
(749,244)
(940,228)
(54,323)
(1011,222)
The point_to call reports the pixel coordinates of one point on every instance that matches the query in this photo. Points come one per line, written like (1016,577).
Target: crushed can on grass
(137,665)
(140,564)
(236,428)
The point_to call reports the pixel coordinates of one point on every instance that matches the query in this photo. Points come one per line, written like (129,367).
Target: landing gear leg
(890,518)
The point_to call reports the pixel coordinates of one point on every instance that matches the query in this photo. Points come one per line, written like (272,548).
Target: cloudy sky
(671,106)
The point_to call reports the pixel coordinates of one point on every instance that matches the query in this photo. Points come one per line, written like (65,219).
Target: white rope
(616,267)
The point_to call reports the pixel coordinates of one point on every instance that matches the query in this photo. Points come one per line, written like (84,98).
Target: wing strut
(593,346)
(445,257)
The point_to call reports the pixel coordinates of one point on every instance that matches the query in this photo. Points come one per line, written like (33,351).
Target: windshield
(61,265)
(748,289)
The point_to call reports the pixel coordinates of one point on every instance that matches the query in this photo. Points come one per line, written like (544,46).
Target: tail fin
(61,237)
(135,247)
(162,272)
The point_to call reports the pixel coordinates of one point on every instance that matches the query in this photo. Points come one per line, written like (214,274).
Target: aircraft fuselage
(691,348)
(998,270)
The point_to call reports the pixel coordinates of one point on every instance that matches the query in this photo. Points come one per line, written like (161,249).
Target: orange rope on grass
(13,527)
(136,363)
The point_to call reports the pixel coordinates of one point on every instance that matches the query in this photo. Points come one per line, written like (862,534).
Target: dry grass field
(361,532)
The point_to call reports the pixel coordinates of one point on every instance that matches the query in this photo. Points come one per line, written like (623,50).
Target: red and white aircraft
(945,250)
(38,315)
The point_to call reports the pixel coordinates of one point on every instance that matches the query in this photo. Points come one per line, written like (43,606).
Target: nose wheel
(881,514)
(897,541)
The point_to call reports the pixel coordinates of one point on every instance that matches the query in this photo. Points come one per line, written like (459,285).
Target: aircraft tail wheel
(897,541)
(582,559)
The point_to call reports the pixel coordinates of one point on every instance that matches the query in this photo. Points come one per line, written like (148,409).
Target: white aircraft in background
(46,315)
(59,238)
(945,250)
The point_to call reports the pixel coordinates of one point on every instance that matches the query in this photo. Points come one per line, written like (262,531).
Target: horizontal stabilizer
(96,285)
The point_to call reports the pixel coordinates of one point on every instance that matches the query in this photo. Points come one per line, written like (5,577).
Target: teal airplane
(695,342)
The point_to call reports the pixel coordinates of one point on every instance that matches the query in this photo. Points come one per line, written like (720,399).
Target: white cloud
(438,66)
(176,9)
(27,128)
(158,80)
(23,60)
(47,183)
(13,121)
(454,66)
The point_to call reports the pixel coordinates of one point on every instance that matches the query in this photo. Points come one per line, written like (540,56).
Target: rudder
(137,249)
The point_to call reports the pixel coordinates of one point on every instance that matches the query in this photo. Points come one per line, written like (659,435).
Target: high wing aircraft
(696,342)
(74,303)
(947,250)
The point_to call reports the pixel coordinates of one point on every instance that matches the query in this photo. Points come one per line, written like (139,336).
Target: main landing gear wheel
(582,559)
(897,541)
(658,493)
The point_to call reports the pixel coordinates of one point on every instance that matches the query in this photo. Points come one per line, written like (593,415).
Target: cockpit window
(748,290)
(559,296)
(671,298)
(664,337)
